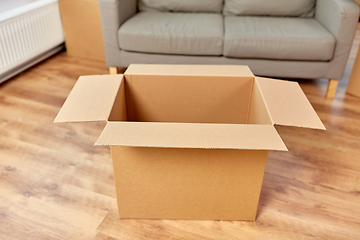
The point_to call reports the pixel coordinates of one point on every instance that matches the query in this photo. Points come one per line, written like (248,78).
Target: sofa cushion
(277,38)
(289,8)
(181,5)
(173,33)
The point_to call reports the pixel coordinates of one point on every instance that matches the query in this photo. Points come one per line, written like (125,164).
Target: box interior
(199,99)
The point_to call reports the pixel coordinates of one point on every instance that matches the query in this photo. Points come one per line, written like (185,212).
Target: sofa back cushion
(283,8)
(181,5)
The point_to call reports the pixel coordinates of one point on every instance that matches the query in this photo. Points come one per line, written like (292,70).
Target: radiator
(28,32)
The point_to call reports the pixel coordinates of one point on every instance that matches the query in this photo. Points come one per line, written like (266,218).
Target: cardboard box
(353,86)
(82,27)
(189,142)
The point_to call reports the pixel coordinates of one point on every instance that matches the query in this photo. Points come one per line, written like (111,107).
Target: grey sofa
(275,38)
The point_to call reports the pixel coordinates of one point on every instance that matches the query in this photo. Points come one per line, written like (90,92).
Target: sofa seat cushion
(277,38)
(214,6)
(283,8)
(173,33)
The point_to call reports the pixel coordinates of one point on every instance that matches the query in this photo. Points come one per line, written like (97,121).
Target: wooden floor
(55,185)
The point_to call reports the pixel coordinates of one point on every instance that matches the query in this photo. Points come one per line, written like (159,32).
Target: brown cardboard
(165,98)
(177,183)
(282,97)
(189,142)
(259,113)
(189,70)
(91,100)
(191,135)
(353,86)
(82,27)
(119,110)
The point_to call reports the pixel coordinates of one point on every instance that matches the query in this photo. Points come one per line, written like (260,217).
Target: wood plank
(43,195)
(270,224)
(48,190)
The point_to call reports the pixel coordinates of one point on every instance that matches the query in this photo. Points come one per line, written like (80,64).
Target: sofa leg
(331,88)
(113,70)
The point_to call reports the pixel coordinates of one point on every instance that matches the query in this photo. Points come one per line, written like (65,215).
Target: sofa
(275,38)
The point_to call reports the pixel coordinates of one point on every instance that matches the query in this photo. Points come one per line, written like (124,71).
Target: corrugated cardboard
(175,183)
(191,135)
(189,142)
(91,100)
(353,86)
(82,27)
(287,97)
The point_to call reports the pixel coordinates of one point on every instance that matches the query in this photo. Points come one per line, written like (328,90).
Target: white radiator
(27,32)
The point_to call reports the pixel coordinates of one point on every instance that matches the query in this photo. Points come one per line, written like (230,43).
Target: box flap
(91,99)
(191,135)
(287,104)
(189,70)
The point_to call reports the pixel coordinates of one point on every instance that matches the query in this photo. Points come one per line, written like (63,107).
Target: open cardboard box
(189,141)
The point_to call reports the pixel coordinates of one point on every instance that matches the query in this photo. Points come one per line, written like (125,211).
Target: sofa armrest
(340,17)
(113,14)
